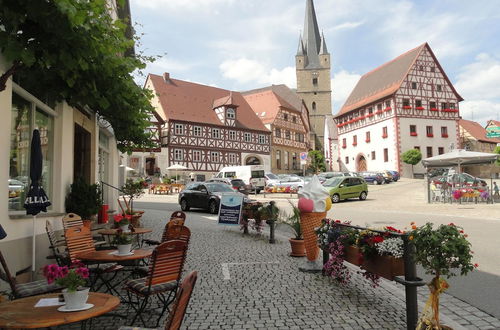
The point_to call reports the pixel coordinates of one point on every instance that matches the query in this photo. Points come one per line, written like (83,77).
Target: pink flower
(63,271)
(77,264)
(83,272)
(50,278)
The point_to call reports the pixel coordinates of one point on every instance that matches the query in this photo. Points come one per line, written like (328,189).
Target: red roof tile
(266,104)
(191,102)
(477,131)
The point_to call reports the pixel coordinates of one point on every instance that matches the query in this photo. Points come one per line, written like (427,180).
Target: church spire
(322,49)
(311,37)
(300,49)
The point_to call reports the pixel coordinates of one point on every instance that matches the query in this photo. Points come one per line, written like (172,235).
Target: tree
(73,51)
(317,161)
(412,157)
(497,151)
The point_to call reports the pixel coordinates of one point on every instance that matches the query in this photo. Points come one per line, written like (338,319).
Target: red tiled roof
(191,102)
(266,104)
(477,131)
(493,122)
(385,80)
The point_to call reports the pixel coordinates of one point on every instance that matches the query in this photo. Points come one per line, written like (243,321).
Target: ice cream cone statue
(314,202)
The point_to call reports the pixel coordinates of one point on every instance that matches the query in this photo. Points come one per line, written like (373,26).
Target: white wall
(266,159)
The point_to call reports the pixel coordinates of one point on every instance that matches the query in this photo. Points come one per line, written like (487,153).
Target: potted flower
(122,222)
(84,199)
(444,251)
(123,242)
(131,190)
(296,243)
(73,279)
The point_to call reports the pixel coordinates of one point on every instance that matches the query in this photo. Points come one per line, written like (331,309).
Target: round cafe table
(22,313)
(139,231)
(106,256)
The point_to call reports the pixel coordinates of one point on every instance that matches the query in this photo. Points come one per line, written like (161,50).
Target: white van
(252,175)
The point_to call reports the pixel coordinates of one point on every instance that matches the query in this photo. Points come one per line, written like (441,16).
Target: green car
(346,187)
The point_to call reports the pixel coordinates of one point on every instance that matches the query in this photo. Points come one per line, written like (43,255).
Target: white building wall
(363,148)
(266,160)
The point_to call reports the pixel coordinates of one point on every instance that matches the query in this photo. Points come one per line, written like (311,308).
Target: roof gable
(477,131)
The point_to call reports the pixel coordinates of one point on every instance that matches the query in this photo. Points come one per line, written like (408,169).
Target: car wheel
(335,198)
(212,207)
(184,205)
(257,191)
(362,196)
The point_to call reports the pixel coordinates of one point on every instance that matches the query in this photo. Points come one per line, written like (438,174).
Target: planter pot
(124,248)
(351,255)
(135,220)
(77,299)
(125,228)
(298,247)
(103,216)
(384,266)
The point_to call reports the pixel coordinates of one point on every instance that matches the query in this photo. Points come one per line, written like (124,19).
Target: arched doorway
(252,160)
(361,164)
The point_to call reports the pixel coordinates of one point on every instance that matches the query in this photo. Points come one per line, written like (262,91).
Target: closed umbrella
(36,199)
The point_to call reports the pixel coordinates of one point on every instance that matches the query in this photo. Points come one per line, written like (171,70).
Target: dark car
(372,177)
(395,175)
(205,195)
(237,184)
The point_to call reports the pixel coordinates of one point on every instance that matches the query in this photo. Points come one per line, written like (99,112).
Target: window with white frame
(179,129)
(232,135)
(197,130)
(262,138)
(178,154)
(196,155)
(215,133)
(248,137)
(215,156)
(230,113)
(232,158)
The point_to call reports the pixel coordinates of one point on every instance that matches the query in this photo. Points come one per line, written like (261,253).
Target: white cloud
(245,71)
(348,25)
(343,83)
(480,111)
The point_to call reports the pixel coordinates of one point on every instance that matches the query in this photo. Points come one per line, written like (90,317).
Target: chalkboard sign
(230,209)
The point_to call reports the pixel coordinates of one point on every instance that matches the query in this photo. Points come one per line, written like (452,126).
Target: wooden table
(139,231)
(22,314)
(104,256)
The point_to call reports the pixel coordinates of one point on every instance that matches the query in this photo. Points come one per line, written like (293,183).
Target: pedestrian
(496,194)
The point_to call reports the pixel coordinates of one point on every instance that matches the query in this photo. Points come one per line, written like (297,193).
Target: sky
(247,44)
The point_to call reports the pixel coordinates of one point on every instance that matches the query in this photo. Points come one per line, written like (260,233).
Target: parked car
(205,195)
(372,177)
(237,184)
(395,175)
(286,180)
(460,179)
(346,187)
(328,175)
(271,178)
(387,176)
(251,174)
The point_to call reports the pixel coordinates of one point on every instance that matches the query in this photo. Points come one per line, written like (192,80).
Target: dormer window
(230,113)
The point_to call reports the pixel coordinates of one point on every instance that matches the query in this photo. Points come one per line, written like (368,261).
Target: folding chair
(25,289)
(178,218)
(163,278)
(71,220)
(181,303)
(56,245)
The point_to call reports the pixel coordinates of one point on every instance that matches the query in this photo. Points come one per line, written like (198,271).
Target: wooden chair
(181,303)
(163,278)
(25,289)
(177,218)
(57,246)
(71,220)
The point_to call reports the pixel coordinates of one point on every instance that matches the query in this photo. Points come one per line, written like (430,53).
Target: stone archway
(253,160)
(361,164)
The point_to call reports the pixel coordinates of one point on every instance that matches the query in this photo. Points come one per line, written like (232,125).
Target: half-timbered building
(287,117)
(407,103)
(203,128)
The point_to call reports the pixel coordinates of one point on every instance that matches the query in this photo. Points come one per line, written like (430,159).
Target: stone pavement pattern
(246,283)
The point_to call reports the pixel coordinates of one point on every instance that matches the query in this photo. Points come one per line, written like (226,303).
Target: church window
(413,85)
(315,81)
(314,106)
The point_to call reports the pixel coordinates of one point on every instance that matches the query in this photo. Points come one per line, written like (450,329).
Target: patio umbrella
(36,199)
(177,167)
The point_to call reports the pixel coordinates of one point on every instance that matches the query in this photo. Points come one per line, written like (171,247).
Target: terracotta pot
(135,220)
(298,247)
(351,255)
(384,266)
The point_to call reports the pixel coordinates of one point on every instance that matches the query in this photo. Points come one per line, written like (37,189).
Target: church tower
(312,66)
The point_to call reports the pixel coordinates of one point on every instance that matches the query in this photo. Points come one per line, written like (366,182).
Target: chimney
(166,77)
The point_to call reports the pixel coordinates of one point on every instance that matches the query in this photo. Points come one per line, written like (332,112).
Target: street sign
(303,158)
(230,209)
(493,131)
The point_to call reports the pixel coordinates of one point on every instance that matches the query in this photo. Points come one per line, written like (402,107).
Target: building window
(278,159)
(344,143)
(248,137)
(433,69)
(232,135)
(439,88)
(429,132)
(444,131)
(443,105)
(179,129)
(26,116)
(178,154)
(384,132)
(277,132)
(440,150)
(215,133)
(373,155)
(367,137)
(196,155)
(295,165)
(285,117)
(347,160)
(197,130)
(386,155)
(387,104)
(315,81)
(418,103)
(406,102)
(451,106)
(370,110)
(379,106)
(413,85)
(429,152)
(413,130)
(294,119)
(416,148)
(354,140)
(285,160)
(287,135)
(432,105)
(262,138)
(314,106)
(214,156)
(232,158)
(230,114)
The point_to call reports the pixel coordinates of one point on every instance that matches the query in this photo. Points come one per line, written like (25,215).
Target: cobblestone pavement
(246,283)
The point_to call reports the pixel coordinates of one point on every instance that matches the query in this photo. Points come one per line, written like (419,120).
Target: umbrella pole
(33,267)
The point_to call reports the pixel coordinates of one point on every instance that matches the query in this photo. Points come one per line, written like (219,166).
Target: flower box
(413,133)
(354,143)
(344,146)
(430,135)
(379,112)
(444,135)
(434,109)
(367,140)
(384,266)
(420,108)
(384,136)
(351,255)
(388,109)
(407,107)
(370,115)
